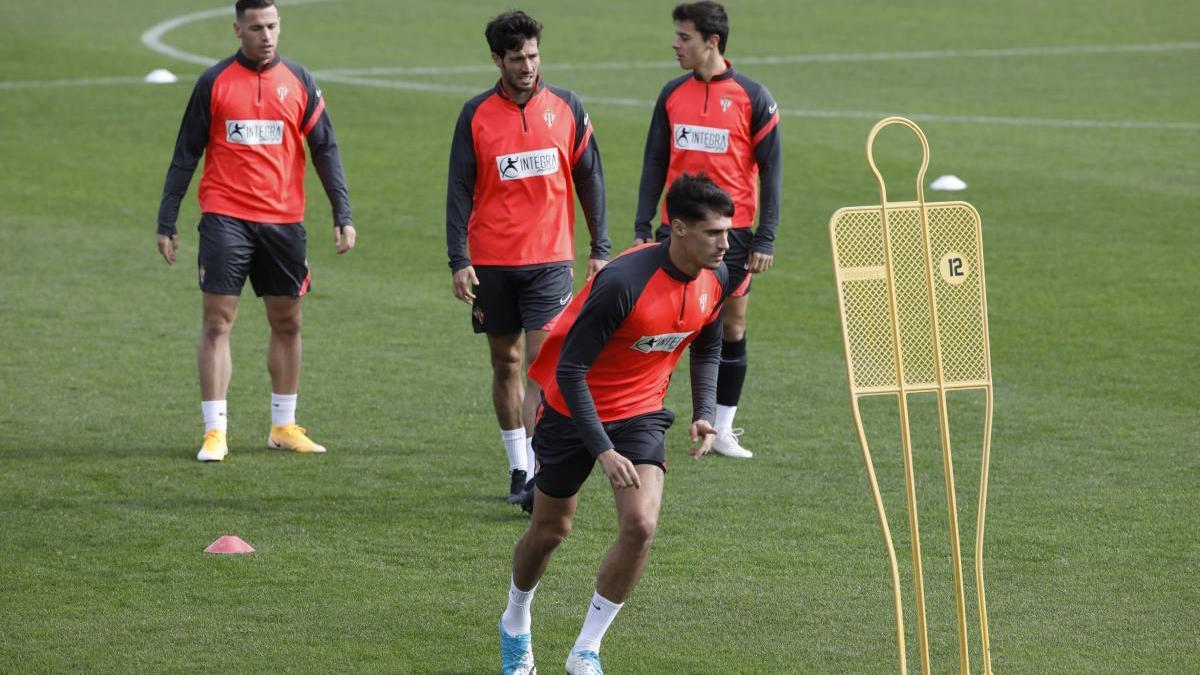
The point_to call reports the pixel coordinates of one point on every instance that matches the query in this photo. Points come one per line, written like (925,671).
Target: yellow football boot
(292,437)
(214,448)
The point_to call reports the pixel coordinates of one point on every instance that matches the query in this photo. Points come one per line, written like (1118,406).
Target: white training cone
(949,183)
(161,76)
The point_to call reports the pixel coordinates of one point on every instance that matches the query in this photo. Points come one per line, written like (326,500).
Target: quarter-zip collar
(669,267)
(503,93)
(717,78)
(254,65)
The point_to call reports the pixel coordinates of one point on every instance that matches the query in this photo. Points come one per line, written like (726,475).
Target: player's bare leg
(730,376)
(508,396)
(215,366)
(284,348)
(283,362)
(637,521)
(529,407)
(212,356)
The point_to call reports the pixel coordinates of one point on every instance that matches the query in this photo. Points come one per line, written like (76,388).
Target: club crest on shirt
(725,103)
(667,342)
(549,117)
(282,91)
(704,302)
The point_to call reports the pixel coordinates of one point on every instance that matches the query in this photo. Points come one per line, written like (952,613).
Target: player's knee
(548,533)
(286,326)
(506,367)
(638,530)
(216,326)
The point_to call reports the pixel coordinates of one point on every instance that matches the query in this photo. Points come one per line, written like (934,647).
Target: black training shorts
(737,258)
(273,256)
(507,300)
(564,461)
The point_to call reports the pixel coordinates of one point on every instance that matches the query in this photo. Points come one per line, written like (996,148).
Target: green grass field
(1074,123)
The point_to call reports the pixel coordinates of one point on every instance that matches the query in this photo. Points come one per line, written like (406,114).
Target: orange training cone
(229,544)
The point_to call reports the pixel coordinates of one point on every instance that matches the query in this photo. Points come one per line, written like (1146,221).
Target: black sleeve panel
(460,189)
(189,148)
(768,153)
(655,162)
(704,356)
(588,175)
(615,291)
(322,143)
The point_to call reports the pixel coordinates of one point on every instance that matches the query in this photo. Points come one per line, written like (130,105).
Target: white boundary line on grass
(152,38)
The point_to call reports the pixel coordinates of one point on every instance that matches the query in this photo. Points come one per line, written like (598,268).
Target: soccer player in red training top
(520,151)
(604,371)
(249,115)
(723,123)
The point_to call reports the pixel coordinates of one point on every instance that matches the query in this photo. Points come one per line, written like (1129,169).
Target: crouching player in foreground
(604,371)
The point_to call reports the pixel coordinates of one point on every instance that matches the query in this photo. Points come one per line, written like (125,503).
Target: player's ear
(678,227)
(498,60)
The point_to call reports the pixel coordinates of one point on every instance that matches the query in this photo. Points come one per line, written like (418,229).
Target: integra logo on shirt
(528,164)
(667,342)
(254,132)
(702,139)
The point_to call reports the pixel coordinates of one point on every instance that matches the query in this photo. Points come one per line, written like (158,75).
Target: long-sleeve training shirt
(249,122)
(728,128)
(610,354)
(514,170)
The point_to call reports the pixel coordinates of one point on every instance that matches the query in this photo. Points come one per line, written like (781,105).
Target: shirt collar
(668,266)
(537,89)
(253,65)
(717,78)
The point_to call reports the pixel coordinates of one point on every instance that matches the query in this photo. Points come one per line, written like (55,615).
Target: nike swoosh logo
(564,300)
(772,109)
(595,607)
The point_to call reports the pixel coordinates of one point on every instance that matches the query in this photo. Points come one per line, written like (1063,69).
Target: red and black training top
(728,128)
(250,121)
(514,170)
(610,354)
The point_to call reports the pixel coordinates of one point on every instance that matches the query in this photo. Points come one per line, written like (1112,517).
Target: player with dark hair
(249,116)
(520,152)
(604,371)
(721,122)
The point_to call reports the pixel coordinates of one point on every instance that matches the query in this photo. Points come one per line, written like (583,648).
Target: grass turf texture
(391,553)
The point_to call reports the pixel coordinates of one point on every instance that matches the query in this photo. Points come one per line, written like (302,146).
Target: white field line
(797,58)
(153,39)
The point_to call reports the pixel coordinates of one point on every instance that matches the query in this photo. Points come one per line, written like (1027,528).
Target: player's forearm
(328,161)
(588,176)
(705,357)
(572,383)
(769,156)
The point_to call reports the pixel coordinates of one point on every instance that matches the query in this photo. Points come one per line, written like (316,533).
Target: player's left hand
(343,237)
(594,266)
(760,262)
(701,428)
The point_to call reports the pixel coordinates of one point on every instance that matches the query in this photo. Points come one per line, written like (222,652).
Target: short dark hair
(709,17)
(511,30)
(694,195)
(242,5)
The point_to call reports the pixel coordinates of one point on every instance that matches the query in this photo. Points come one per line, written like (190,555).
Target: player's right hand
(464,283)
(167,246)
(620,471)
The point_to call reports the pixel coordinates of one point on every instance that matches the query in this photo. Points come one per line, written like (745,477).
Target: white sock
(516,618)
(530,460)
(725,415)
(283,409)
(600,615)
(514,445)
(214,415)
